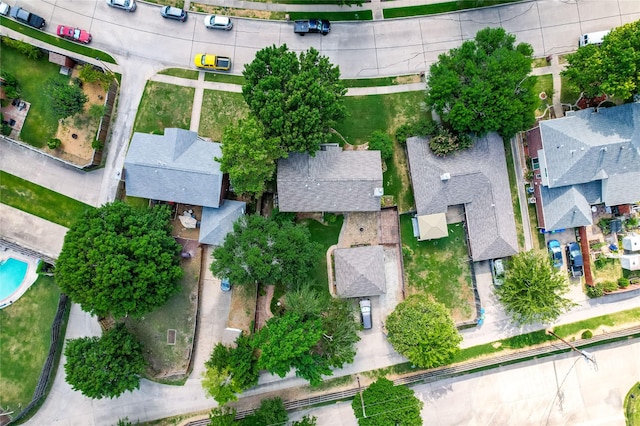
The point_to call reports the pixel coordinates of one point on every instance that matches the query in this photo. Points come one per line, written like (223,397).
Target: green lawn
(610,270)
(180,72)
(544,83)
(540,62)
(513,187)
(137,202)
(632,406)
(39,201)
(396,180)
(352,15)
(164,106)
(439,268)
(375,82)
(41,123)
(224,78)
(326,235)
(25,336)
(432,9)
(569,93)
(219,109)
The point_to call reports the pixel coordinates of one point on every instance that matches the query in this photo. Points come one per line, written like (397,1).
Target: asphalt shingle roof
(478,179)
(177,166)
(332,181)
(569,206)
(217,223)
(359,271)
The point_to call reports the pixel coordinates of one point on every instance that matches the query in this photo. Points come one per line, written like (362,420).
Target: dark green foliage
(381,141)
(104,366)
(444,142)
(422,127)
(90,74)
(30,51)
(281,217)
(97,145)
(262,250)
(120,260)
(422,330)
(305,421)
(297,99)
(66,99)
(10,85)
(595,290)
(340,333)
(6,129)
(609,286)
(533,291)
(605,225)
(612,68)
(623,282)
(587,334)
(54,143)
(244,363)
(385,404)
(270,413)
(222,416)
(482,86)
(329,218)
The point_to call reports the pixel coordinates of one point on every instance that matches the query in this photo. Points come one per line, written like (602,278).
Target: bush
(329,218)
(30,51)
(623,282)
(446,142)
(609,286)
(604,225)
(423,127)
(66,99)
(97,145)
(10,85)
(595,291)
(602,261)
(632,223)
(54,143)
(380,141)
(587,334)
(6,129)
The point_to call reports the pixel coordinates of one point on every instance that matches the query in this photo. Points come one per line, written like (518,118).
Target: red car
(74,34)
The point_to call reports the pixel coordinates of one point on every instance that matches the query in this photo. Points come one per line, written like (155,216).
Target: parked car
(218,22)
(4,8)
(305,26)
(176,13)
(574,260)
(225,285)
(31,19)
(212,62)
(365,313)
(497,271)
(128,5)
(74,34)
(556,253)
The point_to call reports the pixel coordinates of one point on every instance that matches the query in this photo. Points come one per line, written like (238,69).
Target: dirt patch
(359,229)
(408,79)
(243,309)
(229,11)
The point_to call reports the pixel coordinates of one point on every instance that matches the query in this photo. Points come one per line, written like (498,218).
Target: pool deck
(30,276)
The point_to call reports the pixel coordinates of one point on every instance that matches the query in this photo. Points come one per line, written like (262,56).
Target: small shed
(631,242)
(630,262)
(62,60)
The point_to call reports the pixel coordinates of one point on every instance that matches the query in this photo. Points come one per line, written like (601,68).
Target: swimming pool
(12,273)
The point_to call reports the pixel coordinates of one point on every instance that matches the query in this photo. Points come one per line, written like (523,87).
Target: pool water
(12,273)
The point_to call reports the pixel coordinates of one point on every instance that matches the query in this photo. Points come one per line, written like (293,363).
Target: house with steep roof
(333,180)
(589,157)
(359,271)
(181,167)
(476,179)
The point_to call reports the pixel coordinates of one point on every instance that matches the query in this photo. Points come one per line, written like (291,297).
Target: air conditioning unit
(532,200)
(378,192)
(445,176)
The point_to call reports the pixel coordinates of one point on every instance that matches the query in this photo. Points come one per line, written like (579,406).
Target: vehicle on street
(593,38)
(574,260)
(497,271)
(556,253)
(31,19)
(365,313)
(305,26)
(225,285)
(4,8)
(128,5)
(176,13)
(74,34)
(218,22)
(212,62)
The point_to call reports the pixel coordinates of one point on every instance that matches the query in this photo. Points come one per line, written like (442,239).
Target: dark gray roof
(569,206)
(177,166)
(478,179)
(217,223)
(359,271)
(332,181)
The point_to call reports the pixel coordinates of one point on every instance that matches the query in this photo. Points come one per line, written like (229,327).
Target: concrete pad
(474,20)
(561,39)
(600,24)
(355,63)
(629,7)
(338,414)
(437,29)
(554,13)
(519,17)
(391,35)
(400,61)
(72,13)
(360,36)
(534,38)
(256,35)
(597,9)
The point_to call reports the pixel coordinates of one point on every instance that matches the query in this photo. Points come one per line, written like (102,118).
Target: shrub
(632,222)
(604,225)
(403,132)
(587,334)
(10,85)
(595,291)
(96,111)
(446,142)
(329,218)
(6,129)
(380,141)
(623,282)
(97,145)
(30,51)
(66,99)
(609,286)
(422,127)
(54,143)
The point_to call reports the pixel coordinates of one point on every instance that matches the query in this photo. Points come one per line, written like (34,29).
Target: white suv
(128,5)
(218,22)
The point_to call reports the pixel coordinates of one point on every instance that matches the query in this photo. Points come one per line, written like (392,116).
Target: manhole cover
(171,337)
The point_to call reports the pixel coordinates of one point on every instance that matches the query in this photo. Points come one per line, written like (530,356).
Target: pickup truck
(574,259)
(212,62)
(303,27)
(21,15)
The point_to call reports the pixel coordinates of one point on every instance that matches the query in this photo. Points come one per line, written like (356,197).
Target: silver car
(365,313)
(218,22)
(128,5)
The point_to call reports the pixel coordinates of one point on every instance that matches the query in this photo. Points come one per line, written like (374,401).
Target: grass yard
(544,83)
(213,118)
(632,406)
(25,336)
(137,202)
(569,93)
(224,78)
(382,81)
(41,123)
(39,201)
(164,106)
(540,62)
(432,9)
(609,270)
(396,179)
(352,15)
(537,237)
(326,235)
(439,268)
(180,72)
(513,187)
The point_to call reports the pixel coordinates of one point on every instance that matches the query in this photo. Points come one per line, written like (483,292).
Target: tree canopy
(297,99)
(612,68)
(482,86)
(386,404)
(120,260)
(263,250)
(422,330)
(66,99)
(104,366)
(533,290)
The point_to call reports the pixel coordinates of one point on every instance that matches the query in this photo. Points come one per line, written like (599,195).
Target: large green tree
(385,404)
(423,331)
(533,290)
(270,413)
(263,250)
(297,99)
(249,157)
(612,68)
(483,85)
(66,99)
(104,366)
(120,260)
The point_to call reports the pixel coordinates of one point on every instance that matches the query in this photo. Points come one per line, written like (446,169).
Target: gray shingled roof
(332,181)
(479,180)
(177,166)
(217,223)
(359,271)
(569,206)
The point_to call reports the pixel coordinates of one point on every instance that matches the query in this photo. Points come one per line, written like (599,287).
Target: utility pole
(589,357)
(364,414)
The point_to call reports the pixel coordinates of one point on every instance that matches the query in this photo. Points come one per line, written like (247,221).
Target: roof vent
(445,176)
(378,192)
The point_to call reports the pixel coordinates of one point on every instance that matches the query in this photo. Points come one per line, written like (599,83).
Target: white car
(218,22)
(4,8)
(128,5)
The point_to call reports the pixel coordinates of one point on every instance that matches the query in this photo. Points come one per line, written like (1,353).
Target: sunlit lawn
(164,106)
(219,109)
(326,235)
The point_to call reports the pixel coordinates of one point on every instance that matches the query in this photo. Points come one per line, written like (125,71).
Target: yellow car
(212,62)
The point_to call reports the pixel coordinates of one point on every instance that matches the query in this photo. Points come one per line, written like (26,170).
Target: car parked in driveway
(4,8)
(574,260)
(365,313)
(31,19)
(497,271)
(128,5)
(74,34)
(218,22)
(555,251)
(176,13)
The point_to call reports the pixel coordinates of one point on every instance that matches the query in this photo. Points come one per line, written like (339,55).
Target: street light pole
(590,358)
